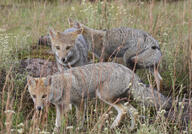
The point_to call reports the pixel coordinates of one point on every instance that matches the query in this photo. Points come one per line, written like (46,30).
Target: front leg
(80,113)
(61,109)
(59,115)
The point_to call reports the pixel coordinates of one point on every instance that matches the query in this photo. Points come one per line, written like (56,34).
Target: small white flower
(20,131)
(12,130)
(105,129)
(10,111)
(20,125)
(126,103)
(72,8)
(180,103)
(44,132)
(165,34)
(6,123)
(110,112)
(69,127)
(37,129)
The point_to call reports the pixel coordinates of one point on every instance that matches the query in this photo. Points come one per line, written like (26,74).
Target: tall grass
(22,24)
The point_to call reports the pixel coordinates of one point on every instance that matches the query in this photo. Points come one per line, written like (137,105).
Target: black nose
(39,108)
(64,60)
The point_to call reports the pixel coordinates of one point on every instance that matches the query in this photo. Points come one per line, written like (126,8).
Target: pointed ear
(47,81)
(52,33)
(75,33)
(70,22)
(31,81)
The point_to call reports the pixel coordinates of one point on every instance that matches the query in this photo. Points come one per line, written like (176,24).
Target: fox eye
(57,47)
(68,47)
(34,96)
(44,96)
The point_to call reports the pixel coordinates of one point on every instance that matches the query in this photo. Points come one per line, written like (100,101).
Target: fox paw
(56,130)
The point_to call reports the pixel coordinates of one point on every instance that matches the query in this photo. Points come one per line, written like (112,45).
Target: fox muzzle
(39,108)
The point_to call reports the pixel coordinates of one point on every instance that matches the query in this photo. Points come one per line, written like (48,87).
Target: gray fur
(107,81)
(76,57)
(133,45)
(78,54)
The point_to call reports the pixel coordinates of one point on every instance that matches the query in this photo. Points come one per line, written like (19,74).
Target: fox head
(39,89)
(62,43)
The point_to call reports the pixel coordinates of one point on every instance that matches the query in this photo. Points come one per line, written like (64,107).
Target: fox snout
(65,59)
(39,108)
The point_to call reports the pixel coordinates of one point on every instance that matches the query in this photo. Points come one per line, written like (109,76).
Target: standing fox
(106,81)
(136,47)
(69,47)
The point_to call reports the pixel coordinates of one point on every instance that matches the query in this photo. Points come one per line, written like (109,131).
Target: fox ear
(74,34)
(52,33)
(70,22)
(31,81)
(47,81)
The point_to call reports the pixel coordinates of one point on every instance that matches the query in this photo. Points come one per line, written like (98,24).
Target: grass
(23,23)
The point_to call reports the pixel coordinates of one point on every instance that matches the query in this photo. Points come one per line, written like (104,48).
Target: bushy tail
(149,96)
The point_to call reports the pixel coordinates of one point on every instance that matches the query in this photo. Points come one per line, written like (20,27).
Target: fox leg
(121,109)
(80,113)
(58,116)
(121,112)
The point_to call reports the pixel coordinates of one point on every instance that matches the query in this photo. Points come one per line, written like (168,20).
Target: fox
(69,47)
(137,48)
(107,81)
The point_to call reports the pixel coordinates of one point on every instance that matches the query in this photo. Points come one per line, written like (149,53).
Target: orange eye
(68,47)
(57,47)
(44,96)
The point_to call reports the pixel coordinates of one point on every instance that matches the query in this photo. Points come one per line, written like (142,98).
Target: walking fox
(137,48)
(69,47)
(106,81)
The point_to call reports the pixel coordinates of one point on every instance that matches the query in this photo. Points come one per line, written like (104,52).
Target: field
(23,22)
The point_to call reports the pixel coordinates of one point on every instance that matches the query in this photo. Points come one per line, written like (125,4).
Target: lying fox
(137,48)
(106,81)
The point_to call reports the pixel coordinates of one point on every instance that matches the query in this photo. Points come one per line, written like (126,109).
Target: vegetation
(21,25)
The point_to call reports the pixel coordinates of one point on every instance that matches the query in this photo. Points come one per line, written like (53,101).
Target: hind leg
(80,113)
(121,109)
